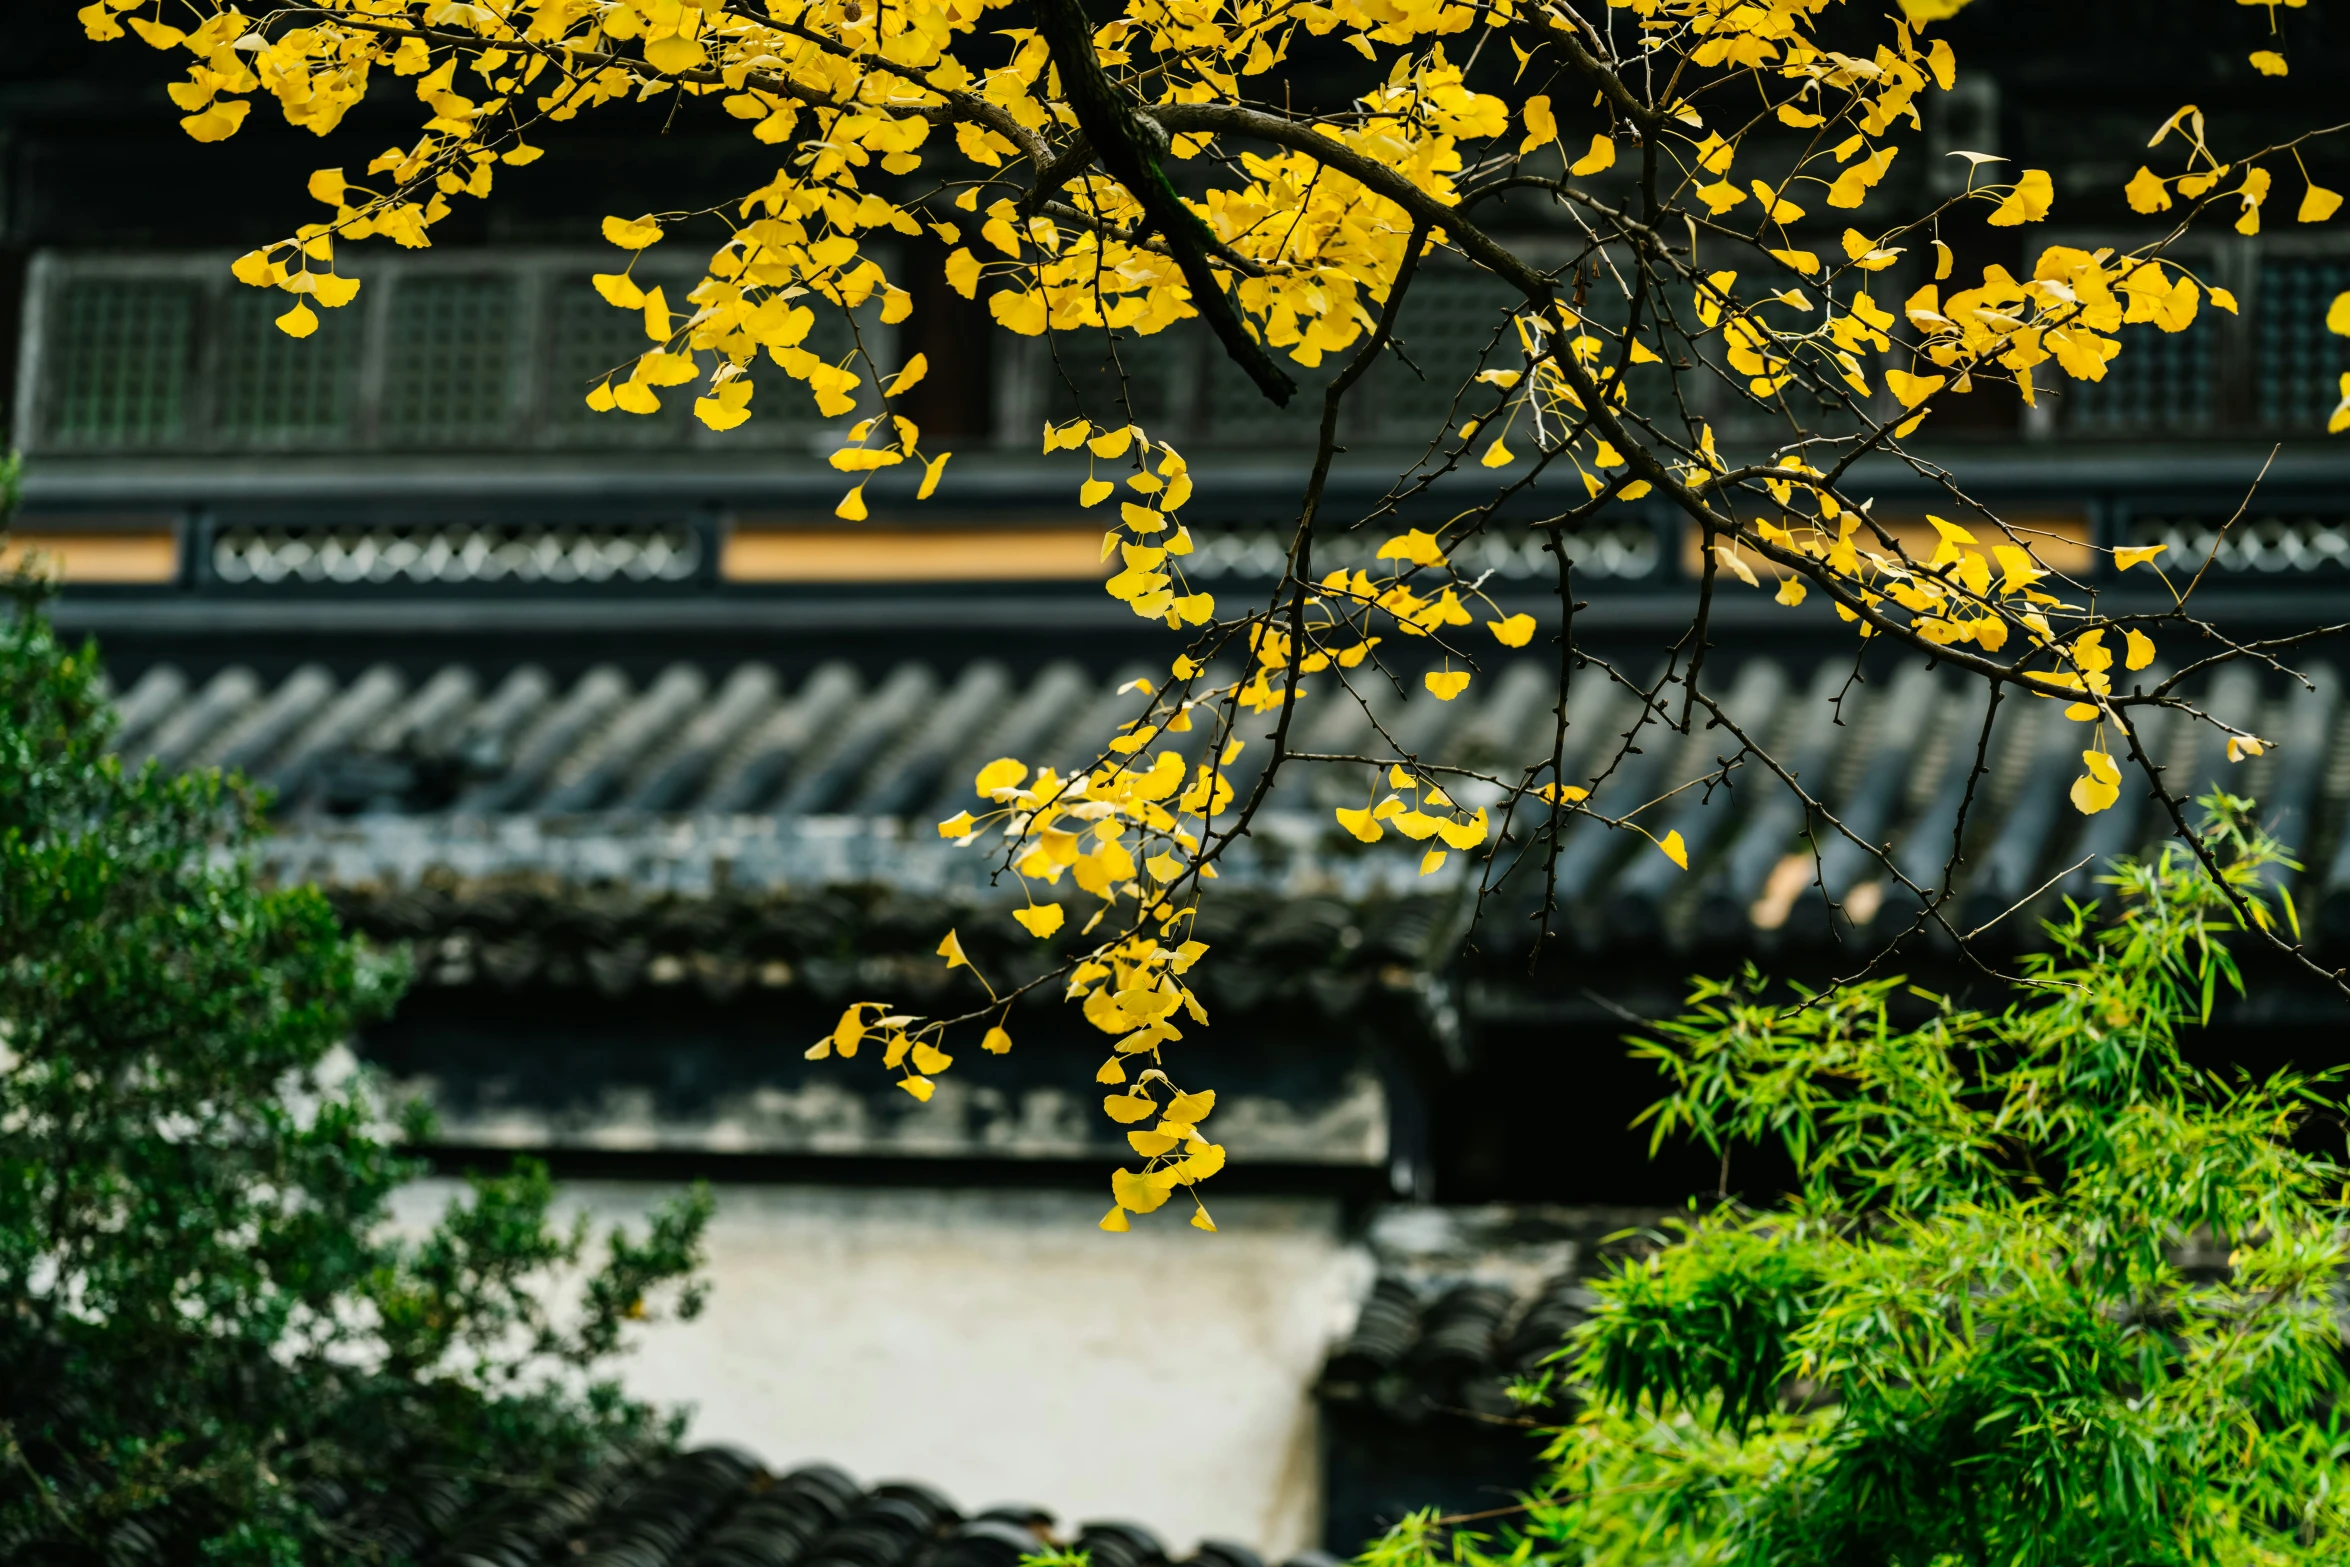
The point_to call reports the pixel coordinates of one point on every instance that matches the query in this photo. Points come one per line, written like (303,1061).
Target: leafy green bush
(2043,1293)
(212,1348)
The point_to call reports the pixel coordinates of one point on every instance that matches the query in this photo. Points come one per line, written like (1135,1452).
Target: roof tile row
(601,759)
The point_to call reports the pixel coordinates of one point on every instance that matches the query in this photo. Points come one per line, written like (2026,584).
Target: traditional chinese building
(636,748)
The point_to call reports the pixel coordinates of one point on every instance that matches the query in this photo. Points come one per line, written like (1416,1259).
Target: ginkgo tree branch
(1285,254)
(1129,144)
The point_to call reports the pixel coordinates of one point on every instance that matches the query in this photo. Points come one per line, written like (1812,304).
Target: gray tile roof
(710,1507)
(689,778)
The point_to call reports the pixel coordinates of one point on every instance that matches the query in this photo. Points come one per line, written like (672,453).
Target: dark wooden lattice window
(2159,381)
(586,338)
(119,362)
(275,390)
(450,369)
(1449,320)
(2298,364)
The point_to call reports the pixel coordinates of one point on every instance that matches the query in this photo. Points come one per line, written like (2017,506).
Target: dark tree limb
(1128,144)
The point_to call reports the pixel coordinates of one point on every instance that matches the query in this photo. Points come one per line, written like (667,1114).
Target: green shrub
(2043,1294)
(212,1348)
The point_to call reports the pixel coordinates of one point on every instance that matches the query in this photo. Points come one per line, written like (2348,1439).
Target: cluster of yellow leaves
(1544,394)
(1118,832)
(2149,192)
(2062,314)
(1174,1152)
(1959,595)
(1823,90)
(909,1044)
(749,300)
(1431,814)
(1148,538)
(2059,313)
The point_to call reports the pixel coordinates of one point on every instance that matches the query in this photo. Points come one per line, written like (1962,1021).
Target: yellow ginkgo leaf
(1128,1108)
(723,413)
(1674,849)
(930,474)
(2146,191)
(2268,62)
(962,273)
(1360,824)
(1135,1191)
(1445,684)
(2241,746)
(2027,201)
(1515,631)
(619,290)
(632,234)
(852,505)
(1191,1109)
(1111,443)
(1497,455)
(1432,861)
(219,122)
(958,825)
(1094,491)
(1720,196)
(1913,389)
(1464,835)
(2318,203)
(1115,1221)
(920,1087)
(908,378)
(299,321)
(951,949)
(1601,156)
(1791,591)
(2099,787)
(928,1058)
(849,1032)
(671,54)
(1201,1221)
(1541,128)
(1005,772)
(2138,650)
(2136,554)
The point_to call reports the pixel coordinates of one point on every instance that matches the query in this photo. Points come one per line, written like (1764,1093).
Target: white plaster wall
(1000,1347)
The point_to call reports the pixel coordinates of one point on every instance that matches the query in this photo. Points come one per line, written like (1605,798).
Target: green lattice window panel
(119,363)
(2160,381)
(451,361)
(1081,377)
(1234,413)
(586,339)
(2297,363)
(1449,321)
(274,390)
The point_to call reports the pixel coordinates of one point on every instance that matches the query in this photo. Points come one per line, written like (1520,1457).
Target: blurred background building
(636,748)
